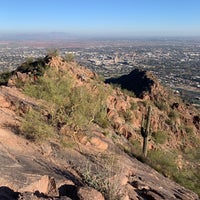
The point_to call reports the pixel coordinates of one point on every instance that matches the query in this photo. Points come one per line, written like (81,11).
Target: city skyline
(102,18)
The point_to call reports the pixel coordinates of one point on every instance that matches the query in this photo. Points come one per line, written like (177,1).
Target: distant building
(116,59)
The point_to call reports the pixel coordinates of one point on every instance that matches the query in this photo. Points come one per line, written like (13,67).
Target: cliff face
(95,158)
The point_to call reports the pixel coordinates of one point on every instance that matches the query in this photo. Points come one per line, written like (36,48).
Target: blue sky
(102,17)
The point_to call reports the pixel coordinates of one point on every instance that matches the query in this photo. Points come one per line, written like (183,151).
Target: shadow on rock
(69,191)
(68,175)
(8,194)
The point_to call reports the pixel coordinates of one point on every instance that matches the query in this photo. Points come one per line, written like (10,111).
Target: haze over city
(102,18)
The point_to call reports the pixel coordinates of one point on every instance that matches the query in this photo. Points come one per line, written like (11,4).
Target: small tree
(53,52)
(69,57)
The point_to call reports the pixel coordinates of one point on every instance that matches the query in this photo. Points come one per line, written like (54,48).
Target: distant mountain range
(75,36)
(38,36)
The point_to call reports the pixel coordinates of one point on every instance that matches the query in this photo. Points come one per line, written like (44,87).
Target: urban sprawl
(176,63)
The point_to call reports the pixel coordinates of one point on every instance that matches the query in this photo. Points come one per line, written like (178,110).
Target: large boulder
(88,193)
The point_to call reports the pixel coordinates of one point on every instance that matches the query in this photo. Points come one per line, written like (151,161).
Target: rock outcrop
(142,83)
(96,167)
(33,172)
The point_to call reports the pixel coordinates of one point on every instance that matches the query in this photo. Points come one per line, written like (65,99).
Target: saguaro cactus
(145,130)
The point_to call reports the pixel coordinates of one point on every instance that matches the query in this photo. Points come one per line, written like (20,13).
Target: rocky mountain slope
(64,134)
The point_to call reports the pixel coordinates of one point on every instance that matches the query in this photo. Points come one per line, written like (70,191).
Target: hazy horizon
(59,36)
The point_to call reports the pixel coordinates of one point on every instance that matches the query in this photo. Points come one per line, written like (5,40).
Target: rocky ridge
(50,171)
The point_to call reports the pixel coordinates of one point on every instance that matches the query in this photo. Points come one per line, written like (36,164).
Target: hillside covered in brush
(66,132)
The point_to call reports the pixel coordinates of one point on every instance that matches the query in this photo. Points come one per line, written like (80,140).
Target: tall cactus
(145,130)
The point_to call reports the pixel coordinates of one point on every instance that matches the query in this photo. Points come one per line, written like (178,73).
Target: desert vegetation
(100,172)
(66,104)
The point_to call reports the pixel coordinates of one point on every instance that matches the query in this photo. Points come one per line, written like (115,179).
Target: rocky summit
(66,134)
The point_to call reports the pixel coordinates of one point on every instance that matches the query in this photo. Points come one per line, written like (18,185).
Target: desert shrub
(189,130)
(101,117)
(100,78)
(67,141)
(173,115)
(69,57)
(189,179)
(37,67)
(88,107)
(4,77)
(162,105)
(128,92)
(74,106)
(159,137)
(80,106)
(189,176)
(19,83)
(34,127)
(52,90)
(125,91)
(115,85)
(53,52)
(164,162)
(136,148)
(127,115)
(190,140)
(133,105)
(169,122)
(98,173)
(191,153)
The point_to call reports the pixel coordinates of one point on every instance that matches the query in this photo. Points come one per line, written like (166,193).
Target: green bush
(189,176)
(164,162)
(162,105)
(53,52)
(101,117)
(189,179)
(128,92)
(173,115)
(88,107)
(35,128)
(74,106)
(133,105)
(4,77)
(136,148)
(37,67)
(169,122)
(189,130)
(159,137)
(54,90)
(69,57)
(127,115)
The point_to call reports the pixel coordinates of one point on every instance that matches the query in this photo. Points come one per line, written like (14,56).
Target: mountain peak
(138,81)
